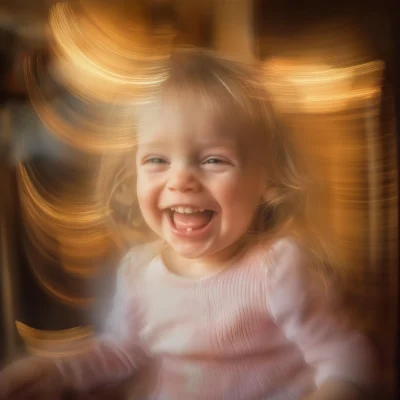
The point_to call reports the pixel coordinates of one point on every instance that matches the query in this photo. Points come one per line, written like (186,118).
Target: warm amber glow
(55,343)
(306,88)
(122,61)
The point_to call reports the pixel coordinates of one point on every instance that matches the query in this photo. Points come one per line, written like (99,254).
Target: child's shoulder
(283,256)
(280,248)
(138,257)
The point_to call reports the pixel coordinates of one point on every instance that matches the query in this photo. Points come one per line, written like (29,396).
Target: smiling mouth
(190,219)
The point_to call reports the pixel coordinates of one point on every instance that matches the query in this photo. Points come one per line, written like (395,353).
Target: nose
(183,179)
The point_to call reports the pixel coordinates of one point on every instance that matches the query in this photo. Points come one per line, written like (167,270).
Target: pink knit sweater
(264,328)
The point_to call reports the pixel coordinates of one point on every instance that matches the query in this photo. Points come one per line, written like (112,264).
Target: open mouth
(189,219)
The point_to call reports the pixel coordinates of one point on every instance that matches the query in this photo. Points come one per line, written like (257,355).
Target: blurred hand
(30,379)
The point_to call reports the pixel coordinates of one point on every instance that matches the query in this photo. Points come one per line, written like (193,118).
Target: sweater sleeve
(115,354)
(303,305)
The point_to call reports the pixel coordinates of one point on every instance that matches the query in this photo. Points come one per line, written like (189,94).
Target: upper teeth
(187,210)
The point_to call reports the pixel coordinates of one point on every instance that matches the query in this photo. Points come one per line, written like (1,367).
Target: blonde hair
(235,94)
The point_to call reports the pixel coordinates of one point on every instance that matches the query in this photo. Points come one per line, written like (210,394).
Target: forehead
(189,119)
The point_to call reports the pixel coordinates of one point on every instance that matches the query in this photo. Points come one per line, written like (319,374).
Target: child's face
(198,186)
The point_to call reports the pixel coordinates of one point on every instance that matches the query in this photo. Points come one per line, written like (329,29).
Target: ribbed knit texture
(267,327)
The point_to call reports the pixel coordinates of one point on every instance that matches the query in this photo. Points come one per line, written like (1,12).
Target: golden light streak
(102,128)
(101,58)
(302,88)
(55,344)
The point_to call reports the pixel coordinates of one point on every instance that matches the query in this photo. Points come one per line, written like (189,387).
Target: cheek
(148,195)
(240,197)
(245,188)
(147,207)
(140,191)
(145,194)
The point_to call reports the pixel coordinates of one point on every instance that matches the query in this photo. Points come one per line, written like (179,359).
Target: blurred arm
(302,305)
(116,354)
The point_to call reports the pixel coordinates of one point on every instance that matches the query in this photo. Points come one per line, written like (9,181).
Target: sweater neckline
(231,264)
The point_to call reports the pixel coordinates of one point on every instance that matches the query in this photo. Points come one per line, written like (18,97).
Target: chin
(190,251)
(190,254)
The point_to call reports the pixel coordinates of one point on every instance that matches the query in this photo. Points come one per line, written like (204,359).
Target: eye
(214,160)
(155,160)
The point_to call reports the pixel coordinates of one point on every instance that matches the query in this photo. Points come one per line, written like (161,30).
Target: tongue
(193,221)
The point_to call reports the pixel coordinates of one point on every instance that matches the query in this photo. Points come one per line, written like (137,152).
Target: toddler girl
(227,303)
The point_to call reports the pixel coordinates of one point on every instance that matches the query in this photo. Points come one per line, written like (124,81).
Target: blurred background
(331,69)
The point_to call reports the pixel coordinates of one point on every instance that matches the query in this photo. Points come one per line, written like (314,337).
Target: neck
(203,266)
